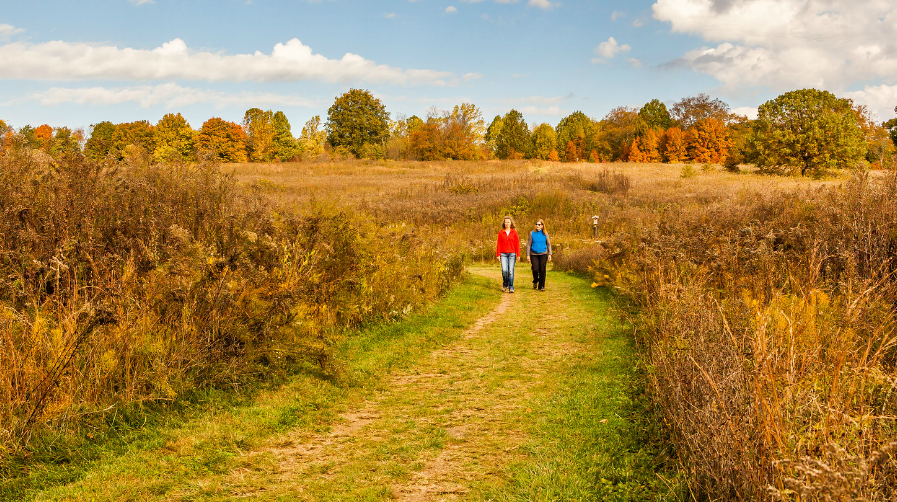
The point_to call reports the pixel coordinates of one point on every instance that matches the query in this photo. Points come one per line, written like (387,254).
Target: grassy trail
(490,396)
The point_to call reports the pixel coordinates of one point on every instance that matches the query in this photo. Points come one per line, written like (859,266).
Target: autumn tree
(356,119)
(673,147)
(226,140)
(579,129)
(44,135)
(67,141)
(139,134)
(654,115)
(810,130)
(688,111)
(258,125)
(635,153)
(514,138)
(708,141)
(879,147)
(99,144)
(311,141)
(544,142)
(174,139)
(4,128)
(615,133)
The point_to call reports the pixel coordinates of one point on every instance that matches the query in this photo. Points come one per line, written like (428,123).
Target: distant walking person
(538,251)
(508,253)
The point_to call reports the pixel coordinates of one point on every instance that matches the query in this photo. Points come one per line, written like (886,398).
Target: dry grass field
(762,307)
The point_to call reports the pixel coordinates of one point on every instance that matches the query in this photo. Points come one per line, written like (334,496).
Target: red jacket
(507,243)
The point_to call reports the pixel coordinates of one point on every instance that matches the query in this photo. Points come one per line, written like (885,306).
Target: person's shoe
(504,289)
(510,290)
(542,289)
(535,285)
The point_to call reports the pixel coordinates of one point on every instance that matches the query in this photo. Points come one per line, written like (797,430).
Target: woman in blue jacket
(538,251)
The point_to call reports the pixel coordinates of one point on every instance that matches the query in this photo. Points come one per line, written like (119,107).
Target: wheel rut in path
(447,425)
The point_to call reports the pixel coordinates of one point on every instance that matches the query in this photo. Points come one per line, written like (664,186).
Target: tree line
(806,130)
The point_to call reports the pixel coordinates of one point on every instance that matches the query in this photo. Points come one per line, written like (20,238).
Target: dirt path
(525,396)
(446,427)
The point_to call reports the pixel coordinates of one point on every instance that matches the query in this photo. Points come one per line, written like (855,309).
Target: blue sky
(75,63)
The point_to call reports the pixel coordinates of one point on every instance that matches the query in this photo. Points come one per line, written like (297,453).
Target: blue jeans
(508,260)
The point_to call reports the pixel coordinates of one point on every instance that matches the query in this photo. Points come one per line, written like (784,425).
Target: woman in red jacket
(508,253)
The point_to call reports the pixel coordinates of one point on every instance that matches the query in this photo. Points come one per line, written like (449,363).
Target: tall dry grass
(140,281)
(768,322)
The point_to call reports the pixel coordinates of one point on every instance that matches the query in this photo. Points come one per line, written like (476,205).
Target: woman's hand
(549,257)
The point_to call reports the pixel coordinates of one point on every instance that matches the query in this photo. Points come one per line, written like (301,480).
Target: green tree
(99,144)
(544,142)
(492,134)
(514,138)
(891,126)
(174,139)
(285,146)
(579,129)
(809,129)
(356,119)
(654,115)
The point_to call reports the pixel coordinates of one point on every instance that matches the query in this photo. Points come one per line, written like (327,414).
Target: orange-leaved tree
(708,141)
(226,140)
(673,147)
(635,152)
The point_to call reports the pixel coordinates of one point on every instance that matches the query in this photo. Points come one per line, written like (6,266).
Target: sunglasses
(538,224)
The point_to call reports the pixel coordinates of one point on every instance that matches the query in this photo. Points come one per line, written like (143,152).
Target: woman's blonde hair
(544,230)
(507,217)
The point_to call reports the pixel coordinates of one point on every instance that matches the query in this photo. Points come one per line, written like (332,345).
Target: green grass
(597,437)
(154,451)
(543,402)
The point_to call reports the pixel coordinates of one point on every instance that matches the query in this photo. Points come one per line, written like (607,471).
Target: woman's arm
(529,245)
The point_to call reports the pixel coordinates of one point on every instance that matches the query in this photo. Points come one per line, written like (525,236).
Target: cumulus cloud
(169,95)
(141,2)
(879,98)
(451,8)
(787,44)
(609,49)
(288,62)
(617,15)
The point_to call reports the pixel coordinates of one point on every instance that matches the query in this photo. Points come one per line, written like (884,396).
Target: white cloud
(543,4)
(787,44)
(638,23)
(292,61)
(748,111)
(468,77)
(391,15)
(879,98)
(617,15)
(451,8)
(8,30)
(141,2)
(609,49)
(170,96)
(636,63)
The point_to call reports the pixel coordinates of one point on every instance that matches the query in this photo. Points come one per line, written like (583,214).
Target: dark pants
(539,262)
